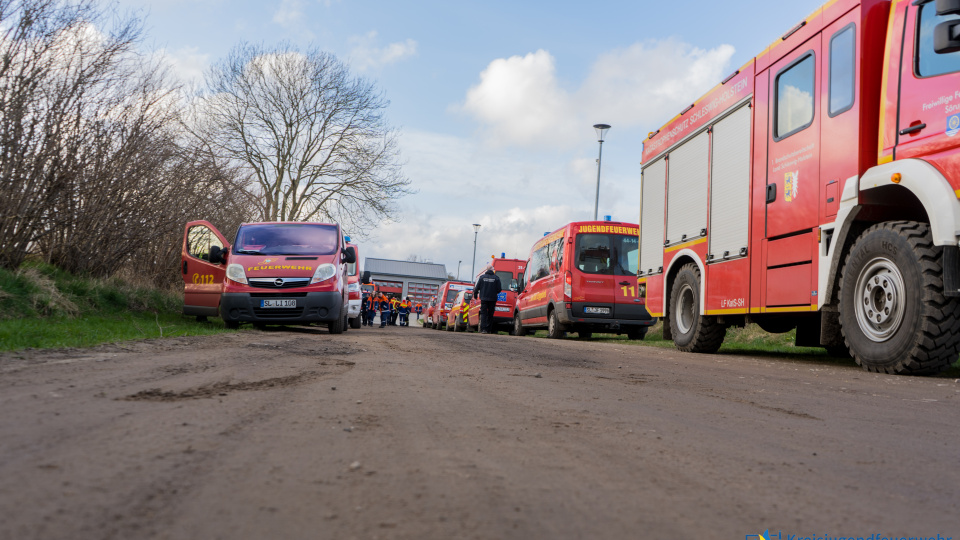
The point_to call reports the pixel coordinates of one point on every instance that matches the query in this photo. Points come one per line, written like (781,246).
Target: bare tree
(313,136)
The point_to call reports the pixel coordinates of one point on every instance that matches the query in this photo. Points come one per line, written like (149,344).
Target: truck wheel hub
(881,305)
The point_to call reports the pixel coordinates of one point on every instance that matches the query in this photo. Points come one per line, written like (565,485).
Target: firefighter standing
(419,310)
(363,309)
(487,289)
(384,305)
(370,307)
(394,310)
(404,309)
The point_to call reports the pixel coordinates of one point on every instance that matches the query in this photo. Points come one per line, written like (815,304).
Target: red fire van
(510,272)
(445,297)
(583,278)
(274,273)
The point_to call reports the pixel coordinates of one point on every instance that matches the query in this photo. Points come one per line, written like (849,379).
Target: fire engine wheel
(338,326)
(554,328)
(692,331)
(893,314)
(449,326)
(518,329)
(456,326)
(355,322)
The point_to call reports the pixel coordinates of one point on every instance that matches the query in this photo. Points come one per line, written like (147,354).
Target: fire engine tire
(427,324)
(518,329)
(355,322)
(457,327)
(449,326)
(692,331)
(554,328)
(338,326)
(637,334)
(893,314)
(232,325)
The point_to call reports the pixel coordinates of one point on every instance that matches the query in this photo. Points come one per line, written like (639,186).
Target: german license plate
(596,310)
(502,308)
(279,303)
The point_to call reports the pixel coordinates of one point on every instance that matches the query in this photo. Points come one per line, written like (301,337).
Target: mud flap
(808,331)
(951,271)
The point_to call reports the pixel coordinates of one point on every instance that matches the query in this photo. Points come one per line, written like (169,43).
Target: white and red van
(274,273)
(445,297)
(583,278)
(510,272)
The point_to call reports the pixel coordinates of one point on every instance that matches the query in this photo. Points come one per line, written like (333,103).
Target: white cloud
(289,14)
(187,63)
(367,54)
(519,100)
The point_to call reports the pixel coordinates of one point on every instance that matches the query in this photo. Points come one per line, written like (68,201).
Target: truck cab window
(794,99)
(843,62)
(928,63)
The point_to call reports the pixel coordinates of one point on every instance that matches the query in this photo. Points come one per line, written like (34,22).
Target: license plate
(596,310)
(279,303)
(498,308)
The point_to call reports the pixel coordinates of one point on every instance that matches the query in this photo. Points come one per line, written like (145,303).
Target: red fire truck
(817,188)
(510,272)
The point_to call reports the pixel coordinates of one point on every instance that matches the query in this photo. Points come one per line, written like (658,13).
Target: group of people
(393,311)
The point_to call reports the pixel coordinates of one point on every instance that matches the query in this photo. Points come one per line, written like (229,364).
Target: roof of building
(405,268)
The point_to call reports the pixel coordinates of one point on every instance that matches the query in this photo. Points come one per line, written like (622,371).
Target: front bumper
(353,308)
(311,307)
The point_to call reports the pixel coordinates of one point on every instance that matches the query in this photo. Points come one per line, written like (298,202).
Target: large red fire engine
(817,188)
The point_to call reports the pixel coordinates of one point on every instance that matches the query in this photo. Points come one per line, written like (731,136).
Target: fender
(935,193)
(666,272)
(829,264)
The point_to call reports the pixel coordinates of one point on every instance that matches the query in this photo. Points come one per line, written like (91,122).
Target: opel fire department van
(455,322)
(583,278)
(445,297)
(817,188)
(273,273)
(510,272)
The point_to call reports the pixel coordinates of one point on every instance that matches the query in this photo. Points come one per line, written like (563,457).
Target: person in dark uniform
(487,289)
(363,309)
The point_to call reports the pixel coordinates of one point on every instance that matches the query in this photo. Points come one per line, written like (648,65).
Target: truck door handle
(771,193)
(184,267)
(625,283)
(912,129)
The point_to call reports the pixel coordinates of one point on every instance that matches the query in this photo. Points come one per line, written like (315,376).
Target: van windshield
(287,239)
(507,281)
(451,295)
(610,254)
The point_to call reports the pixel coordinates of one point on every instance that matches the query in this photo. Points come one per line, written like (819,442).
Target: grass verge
(43,307)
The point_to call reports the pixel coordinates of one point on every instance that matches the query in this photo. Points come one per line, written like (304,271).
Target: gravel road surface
(420,434)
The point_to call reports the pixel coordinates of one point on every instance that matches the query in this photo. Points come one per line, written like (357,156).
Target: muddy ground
(413,433)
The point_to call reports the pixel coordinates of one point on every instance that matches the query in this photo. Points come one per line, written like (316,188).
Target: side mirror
(946,36)
(365,278)
(217,255)
(349,255)
(519,287)
(947,7)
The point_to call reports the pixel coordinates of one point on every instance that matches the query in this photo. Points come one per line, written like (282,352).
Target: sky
(494,101)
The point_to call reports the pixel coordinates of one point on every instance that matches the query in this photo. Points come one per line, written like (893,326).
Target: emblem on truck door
(791,182)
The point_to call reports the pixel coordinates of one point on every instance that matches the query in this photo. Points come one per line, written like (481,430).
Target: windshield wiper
(249,251)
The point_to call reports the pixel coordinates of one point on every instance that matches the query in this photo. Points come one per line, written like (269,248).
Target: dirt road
(413,433)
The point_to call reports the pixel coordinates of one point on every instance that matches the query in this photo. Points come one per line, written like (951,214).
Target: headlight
(235,273)
(353,287)
(323,273)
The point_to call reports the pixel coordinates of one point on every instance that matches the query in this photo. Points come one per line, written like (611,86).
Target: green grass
(43,307)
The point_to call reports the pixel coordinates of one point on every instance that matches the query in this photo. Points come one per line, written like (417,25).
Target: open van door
(203,268)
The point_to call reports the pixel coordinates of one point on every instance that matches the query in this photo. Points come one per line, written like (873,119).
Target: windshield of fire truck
(507,281)
(286,239)
(610,254)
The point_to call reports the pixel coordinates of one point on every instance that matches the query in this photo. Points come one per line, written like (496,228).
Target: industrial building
(419,281)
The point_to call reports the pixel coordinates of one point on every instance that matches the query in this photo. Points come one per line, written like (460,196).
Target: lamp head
(601,130)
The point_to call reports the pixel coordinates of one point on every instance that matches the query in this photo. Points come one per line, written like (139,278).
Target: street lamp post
(458,270)
(473,266)
(601,131)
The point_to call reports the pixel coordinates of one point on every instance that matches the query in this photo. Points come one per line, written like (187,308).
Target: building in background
(419,281)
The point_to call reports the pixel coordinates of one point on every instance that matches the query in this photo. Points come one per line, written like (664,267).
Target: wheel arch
(682,258)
